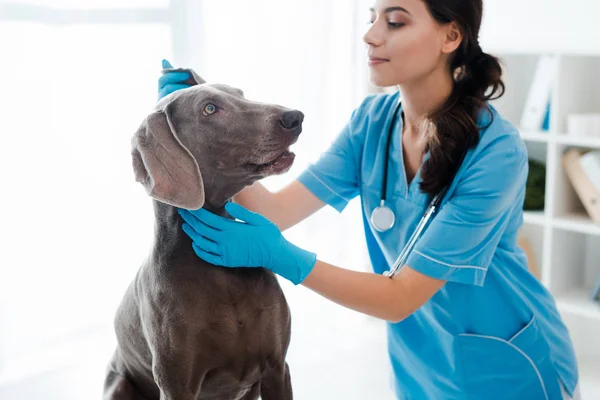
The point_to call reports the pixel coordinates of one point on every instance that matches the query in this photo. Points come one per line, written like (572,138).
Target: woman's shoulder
(500,153)
(497,133)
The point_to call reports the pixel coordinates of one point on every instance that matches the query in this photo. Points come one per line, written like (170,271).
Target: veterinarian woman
(466,318)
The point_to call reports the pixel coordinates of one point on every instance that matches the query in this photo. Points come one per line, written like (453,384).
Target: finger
(201,241)
(206,256)
(210,219)
(170,89)
(175,86)
(199,226)
(241,213)
(172,77)
(166,64)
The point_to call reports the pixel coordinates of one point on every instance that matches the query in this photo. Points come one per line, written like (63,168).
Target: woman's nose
(372,37)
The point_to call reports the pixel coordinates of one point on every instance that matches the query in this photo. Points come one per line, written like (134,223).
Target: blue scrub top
(493,331)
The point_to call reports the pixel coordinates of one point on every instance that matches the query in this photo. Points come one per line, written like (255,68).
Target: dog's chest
(238,322)
(239,308)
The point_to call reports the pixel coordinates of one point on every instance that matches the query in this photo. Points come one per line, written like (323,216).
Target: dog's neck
(169,238)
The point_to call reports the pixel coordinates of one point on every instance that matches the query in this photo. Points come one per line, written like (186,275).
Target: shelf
(570,140)
(579,141)
(580,223)
(589,374)
(542,137)
(574,222)
(579,302)
(534,217)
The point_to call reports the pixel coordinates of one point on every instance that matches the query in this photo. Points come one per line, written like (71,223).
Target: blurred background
(79,76)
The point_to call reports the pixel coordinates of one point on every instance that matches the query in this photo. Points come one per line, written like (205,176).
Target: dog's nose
(292,120)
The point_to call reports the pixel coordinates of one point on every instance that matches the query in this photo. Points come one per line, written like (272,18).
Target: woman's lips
(377,61)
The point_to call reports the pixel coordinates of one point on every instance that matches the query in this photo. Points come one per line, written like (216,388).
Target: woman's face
(404,42)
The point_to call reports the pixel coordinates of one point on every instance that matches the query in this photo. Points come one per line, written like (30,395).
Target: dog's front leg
(176,377)
(176,369)
(276,383)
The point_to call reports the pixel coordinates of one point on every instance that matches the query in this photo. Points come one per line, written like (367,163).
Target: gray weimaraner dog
(187,329)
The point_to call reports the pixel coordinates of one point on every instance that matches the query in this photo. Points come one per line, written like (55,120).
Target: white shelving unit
(565,241)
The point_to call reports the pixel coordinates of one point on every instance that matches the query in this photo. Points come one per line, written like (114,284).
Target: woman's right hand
(171,81)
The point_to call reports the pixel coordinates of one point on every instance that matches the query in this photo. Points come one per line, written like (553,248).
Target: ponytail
(477,79)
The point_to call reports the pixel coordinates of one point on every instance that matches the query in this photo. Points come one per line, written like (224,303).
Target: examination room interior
(78,76)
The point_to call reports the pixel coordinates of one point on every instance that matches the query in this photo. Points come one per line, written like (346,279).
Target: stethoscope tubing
(435,203)
(401,260)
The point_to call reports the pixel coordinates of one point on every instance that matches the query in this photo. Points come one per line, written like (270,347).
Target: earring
(459,73)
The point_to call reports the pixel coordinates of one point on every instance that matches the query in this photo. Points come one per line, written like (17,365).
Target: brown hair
(474,72)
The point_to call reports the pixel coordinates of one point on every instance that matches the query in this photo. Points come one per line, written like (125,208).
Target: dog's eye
(209,109)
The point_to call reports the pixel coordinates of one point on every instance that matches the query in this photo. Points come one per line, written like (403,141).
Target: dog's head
(209,139)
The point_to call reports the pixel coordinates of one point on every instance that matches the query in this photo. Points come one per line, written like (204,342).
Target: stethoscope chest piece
(382,218)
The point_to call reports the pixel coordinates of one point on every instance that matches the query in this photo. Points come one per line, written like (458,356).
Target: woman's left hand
(254,242)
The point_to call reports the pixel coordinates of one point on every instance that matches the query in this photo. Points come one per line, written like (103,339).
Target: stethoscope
(383,218)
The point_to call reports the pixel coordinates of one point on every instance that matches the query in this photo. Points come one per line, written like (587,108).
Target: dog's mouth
(278,165)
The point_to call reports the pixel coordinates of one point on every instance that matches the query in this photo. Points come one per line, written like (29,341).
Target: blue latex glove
(255,242)
(171,81)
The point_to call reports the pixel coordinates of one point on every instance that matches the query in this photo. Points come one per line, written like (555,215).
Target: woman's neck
(422,96)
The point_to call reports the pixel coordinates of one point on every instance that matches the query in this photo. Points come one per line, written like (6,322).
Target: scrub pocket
(517,368)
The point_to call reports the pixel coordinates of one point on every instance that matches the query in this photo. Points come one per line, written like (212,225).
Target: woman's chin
(381,81)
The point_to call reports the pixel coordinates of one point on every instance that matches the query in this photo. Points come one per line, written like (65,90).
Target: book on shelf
(596,292)
(584,188)
(527,248)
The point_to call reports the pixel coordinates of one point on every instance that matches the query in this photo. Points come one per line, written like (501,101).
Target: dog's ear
(194,78)
(165,167)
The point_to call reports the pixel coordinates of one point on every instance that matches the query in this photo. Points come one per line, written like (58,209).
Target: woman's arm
(284,208)
(258,242)
(373,294)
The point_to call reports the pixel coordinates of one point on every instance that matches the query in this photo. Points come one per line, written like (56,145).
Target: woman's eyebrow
(390,9)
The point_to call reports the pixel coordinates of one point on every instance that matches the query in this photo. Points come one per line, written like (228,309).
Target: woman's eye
(392,25)
(395,24)
(209,109)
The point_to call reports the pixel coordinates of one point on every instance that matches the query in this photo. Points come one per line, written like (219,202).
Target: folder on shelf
(546,123)
(585,189)
(538,98)
(590,162)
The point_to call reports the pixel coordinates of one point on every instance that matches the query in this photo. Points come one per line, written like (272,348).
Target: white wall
(541,25)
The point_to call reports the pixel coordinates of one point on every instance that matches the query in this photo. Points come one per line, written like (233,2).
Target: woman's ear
(452,37)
